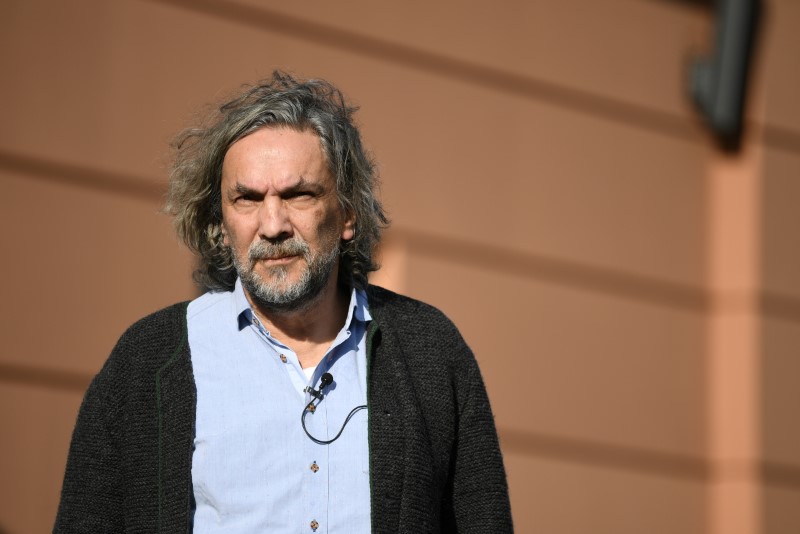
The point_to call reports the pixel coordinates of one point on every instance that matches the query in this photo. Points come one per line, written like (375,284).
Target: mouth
(278,260)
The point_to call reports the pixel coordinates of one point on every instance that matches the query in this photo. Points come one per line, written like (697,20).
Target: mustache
(264,250)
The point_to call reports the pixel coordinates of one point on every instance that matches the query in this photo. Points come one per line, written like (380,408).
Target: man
(292,396)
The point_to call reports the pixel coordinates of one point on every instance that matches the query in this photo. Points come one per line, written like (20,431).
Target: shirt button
(314,467)
(314,525)
(283,358)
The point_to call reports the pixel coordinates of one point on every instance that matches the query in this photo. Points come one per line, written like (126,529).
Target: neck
(310,330)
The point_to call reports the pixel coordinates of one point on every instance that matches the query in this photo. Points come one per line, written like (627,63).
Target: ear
(224,233)
(349,228)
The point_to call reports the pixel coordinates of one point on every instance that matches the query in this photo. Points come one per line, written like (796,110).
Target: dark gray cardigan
(435,464)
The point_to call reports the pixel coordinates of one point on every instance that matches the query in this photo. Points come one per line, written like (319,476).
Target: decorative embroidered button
(314,525)
(314,467)
(283,358)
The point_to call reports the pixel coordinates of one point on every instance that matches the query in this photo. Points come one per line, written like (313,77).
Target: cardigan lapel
(176,398)
(386,441)
(401,472)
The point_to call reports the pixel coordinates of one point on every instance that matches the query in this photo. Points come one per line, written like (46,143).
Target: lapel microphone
(325,380)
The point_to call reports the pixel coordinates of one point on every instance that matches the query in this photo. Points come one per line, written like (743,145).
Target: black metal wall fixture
(718,83)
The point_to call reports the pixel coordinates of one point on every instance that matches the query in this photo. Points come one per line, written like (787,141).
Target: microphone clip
(324,382)
(317,394)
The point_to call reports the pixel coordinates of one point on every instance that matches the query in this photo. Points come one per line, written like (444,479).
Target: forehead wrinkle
(272,165)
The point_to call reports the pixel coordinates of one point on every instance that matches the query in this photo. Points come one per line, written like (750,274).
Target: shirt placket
(317,471)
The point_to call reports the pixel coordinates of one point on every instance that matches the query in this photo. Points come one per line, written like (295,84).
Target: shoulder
(147,343)
(135,360)
(421,329)
(164,326)
(396,311)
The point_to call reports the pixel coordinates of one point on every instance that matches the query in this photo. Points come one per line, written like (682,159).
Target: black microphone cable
(326,379)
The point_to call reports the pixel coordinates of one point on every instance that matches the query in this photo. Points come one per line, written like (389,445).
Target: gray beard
(268,294)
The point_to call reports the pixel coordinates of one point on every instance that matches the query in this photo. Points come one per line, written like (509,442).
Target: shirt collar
(244,313)
(357,310)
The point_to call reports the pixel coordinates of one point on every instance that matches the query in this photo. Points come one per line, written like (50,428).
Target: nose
(274,222)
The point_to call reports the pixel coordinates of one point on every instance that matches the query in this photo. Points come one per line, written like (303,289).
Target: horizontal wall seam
(477,74)
(82,176)
(779,475)
(782,307)
(557,271)
(619,457)
(612,282)
(644,461)
(48,378)
(779,138)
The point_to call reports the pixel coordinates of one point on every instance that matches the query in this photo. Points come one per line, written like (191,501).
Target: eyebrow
(302,185)
(240,189)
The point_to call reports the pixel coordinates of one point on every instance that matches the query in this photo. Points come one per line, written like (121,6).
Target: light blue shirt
(253,467)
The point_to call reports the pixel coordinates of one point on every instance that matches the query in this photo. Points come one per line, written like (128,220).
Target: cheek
(235,232)
(334,225)
(332,230)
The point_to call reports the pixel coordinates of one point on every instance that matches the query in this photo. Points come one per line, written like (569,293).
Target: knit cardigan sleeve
(480,502)
(92,494)
(113,480)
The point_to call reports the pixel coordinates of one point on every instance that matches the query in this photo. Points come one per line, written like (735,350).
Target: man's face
(281,217)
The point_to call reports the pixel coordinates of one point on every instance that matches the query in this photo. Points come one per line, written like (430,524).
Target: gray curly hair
(194,196)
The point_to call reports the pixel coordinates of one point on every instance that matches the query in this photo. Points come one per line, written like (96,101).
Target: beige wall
(631,293)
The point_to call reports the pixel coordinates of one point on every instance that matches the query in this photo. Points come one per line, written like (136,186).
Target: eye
(300,196)
(243,196)
(245,200)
